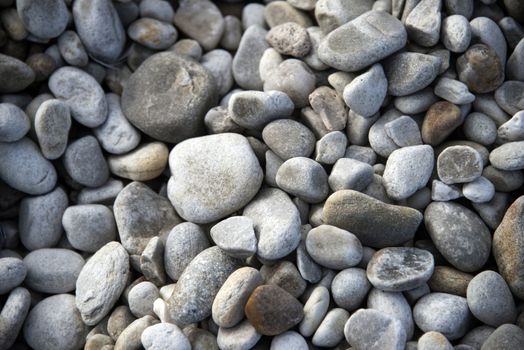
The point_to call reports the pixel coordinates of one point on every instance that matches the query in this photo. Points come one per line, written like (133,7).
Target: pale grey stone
(316,35)
(288,340)
(350,288)
(509,156)
(51,125)
(350,174)
(44,19)
(361,153)
(505,337)
(130,338)
(232,33)
(417,102)
(240,337)
(358,127)
(158,9)
(435,341)
(13,271)
(453,91)
(288,139)
(459,164)
(152,262)
(365,94)
(219,63)
(84,162)
(378,138)
(480,190)
(289,39)
(486,31)
(395,305)
(200,20)
(330,106)
(72,49)
(331,14)
(409,72)
(152,33)
(141,297)
(304,178)
(104,194)
(456,33)
(515,64)
(442,192)
(509,96)
(331,330)
(281,12)
(315,309)
(331,147)
(14,123)
(164,336)
(189,48)
(480,128)
(477,336)
(459,7)
(424,21)
(247,58)
(513,129)
(12,317)
(404,131)
(485,103)
(236,236)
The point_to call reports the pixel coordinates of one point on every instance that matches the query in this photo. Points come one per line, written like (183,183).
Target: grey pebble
(164,336)
(493,211)
(152,33)
(350,288)
(453,91)
(72,49)
(288,139)
(141,297)
(342,48)
(152,262)
(486,31)
(120,318)
(456,33)
(13,315)
(513,129)
(459,164)
(330,106)
(361,153)
(14,123)
(515,62)
(395,305)
(308,268)
(99,26)
(459,7)
(130,338)
(51,125)
(404,131)
(101,282)
(187,47)
(485,103)
(82,93)
(477,336)
(424,21)
(480,128)
(331,147)
(84,162)
(243,336)
(277,223)
(158,9)
(53,270)
(409,72)
(508,156)
(378,139)
(184,242)
(442,192)
(289,39)
(104,194)
(219,121)
(316,35)
(331,14)
(146,162)
(88,227)
(444,313)
(284,275)
(282,12)
(480,190)
(219,62)
(350,174)
(247,57)
(236,236)
(253,14)
(435,341)
(315,309)
(331,329)
(480,68)
(288,340)
(232,33)
(304,178)
(505,337)
(15,74)
(13,271)
(25,169)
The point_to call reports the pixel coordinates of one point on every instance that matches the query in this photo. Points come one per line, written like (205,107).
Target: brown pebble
(449,280)
(441,119)
(272,310)
(480,69)
(42,64)
(286,276)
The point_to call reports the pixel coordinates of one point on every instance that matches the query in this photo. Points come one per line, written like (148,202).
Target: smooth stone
(459,164)
(184,242)
(434,341)
(247,58)
(25,169)
(343,47)
(486,103)
(331,147)
(514,66)
(493,211)
(285,275)
(235,236)
(289,340)
(480,190)
(513,129)
(331,330)
(444,313)
(403,131)
(141,298)
(424,21)
(120,318)
(152,33)
(398,269)
(350,174)
(505,337)
(53,270)
(272,310)
(277,223)
(417,102)
(331,14)
(365,94)
(477,336)
(116,135)
(490,299)
(316,35)
(375,223)
(152,262)
(13,315)
(307,267)
(144,163)
(333,247)
(395,305)
(213,176)
(330,107)
(200,20)
(480,128)
(232,33)
(13,271)
(288,139)
(304,178)
(315,309)
(164,336)
(158,9)
(282,12)
(243,336)
(459,235)
(14,123)
(509,96)
(15,74)
(449,280)
(101,282)
(100,28)
(130,338)
(361,153)
(51,125)
(46,20)
(480,69)
(289,39)
(197,287)
(89,227)
(104,194)
(229,303)
(409,72)
(508,157)
(219,63)
(219,121)
(141,214)
(85,163)
(81,93)
(373,330)
(349,288)
(486,31)
(456,33)
(508,249)
(453,91)
(408,169)
(72,49)
(189,48)
(180,106)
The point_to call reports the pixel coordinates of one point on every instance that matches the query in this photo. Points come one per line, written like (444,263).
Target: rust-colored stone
(441,119)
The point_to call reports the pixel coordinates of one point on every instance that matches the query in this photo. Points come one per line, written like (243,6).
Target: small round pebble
(289,340)
(236,236)
(289,39)
(480,190)
(349,288)
(52,125)
(331,330)
(164,336)
(144,163)
(141,297)
(14,123)
(459,164)
(304,178)
(152,33)
(480,128)
(243,336)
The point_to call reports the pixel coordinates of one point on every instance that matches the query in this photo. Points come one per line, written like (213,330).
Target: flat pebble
(304,178)
(288,340)
(350,174)
(152,262)
(158,9)
(459,164)
(219,63)
(480,69)
(247,58)
(453,91)
(52,124)
(331,330)
(509,156)
(331,147)
(13,315)
(315,309)
(236,236)
(164,336)
(449,280)
(486,31)
(456,33)
(403,131)
(350,288)
(152,33)
(240,337)
(409,72)
(141,297)
(480,190)
(14,123)
(84,162)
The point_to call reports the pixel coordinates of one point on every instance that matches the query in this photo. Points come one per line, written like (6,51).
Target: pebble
(304,178)
(141,214)
(15,74)
(13,271)
(81,93)
(141,297)
(289,39)
(282,12)
(480,69)
(289,340)
(513,129)
(397,269)
(54,324)
(343,47)
(53,270)
(449,280)
(272,310)
(222,167)
(101,282)
(459,235)
(165,336)
(130,338)
(288,139)
(240,337)
(277,223)
(508,249)
(152,33)
(158,9)
(190,302)
(100,28)
(453,91)
(417,102)
(395,305)
(24,167)
(486,31)
(509,96)
(490,299)
(508,156)
(189,48)
(350,174)
(228,305)
(146,162)
(409,72)
(13,24)
(51,125)
(316,35)
(232,33)
(286,276)
(514,70)
(72,49)
(493,211)
(14,123)
(480,128)
(434,341)
(235,236)
(331,330)
(480,190)
(247,58)
(361,153)
(152,262)
(120,318)
(333,247)
(219,63)
(88,227)
(84,162)
(403,131)
(456,33)
(424,21)
(308,268)
(350,288)
(459,164)
(14,312)
(374,330)
(408,169)
(444,313)
(375,223)
(505,337)
(200,20)
(330,106)
(315,309)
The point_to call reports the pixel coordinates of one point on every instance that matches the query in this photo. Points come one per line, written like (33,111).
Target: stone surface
(16,75)
(315,309)
(288,139)
(505,337)
(85,163)
(480,190)
(165,336)
(44,19)
(52,124)
(331,330)
(456,33)
(453,91)
(152,33)
(409,72)
(13,271)
(304,178)
(240,337)
(141,298)
(449,280)
(434,341)
(508,156)
(247,58)
(424,21)
(289,39)
(130,338)
(395,305)
(152,262)
(404,131)
(349,288)
(12,317)
(146,162)
(14,123)
(365,94)
(350,174)
(440,121)
(459,164)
